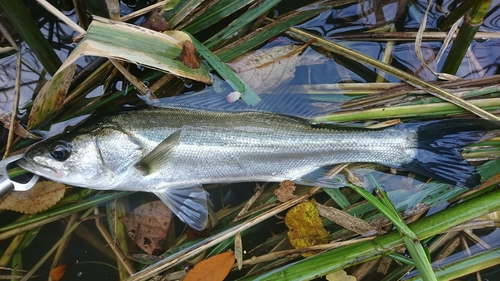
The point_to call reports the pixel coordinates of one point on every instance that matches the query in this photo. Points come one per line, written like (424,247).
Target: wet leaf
(340,275)
(118,40)
(265,70)
(148,226)
(51,97)
(305,226)
(285,191)
(189,56)
(212,269)
(42,196)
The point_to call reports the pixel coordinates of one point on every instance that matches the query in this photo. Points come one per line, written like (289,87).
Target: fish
(172,152)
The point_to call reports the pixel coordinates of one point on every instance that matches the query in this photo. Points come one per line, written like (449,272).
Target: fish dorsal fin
(159,154)
(189,203)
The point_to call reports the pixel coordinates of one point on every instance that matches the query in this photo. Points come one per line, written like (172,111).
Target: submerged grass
(272,257)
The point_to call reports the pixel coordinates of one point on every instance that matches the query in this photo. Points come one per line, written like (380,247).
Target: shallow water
(316,69)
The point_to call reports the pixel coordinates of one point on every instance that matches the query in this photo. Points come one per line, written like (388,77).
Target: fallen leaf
(212,269)
(156,22)
(340,275)
(285,191)
(57,273)
(51,97)
(43,195)
(19,130)
(346,220)
(266,69)
(305,226)
(148,226)
(188,55)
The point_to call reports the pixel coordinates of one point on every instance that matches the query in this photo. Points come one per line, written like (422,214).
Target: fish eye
(60,151)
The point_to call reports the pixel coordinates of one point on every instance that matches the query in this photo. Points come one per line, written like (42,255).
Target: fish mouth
(29,166)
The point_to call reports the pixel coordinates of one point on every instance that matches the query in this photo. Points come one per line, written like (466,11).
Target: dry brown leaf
(19,130)
(285,191)
(57,273)
(212,269)
(42,196)
(265,70)
(346,220)
(188,55)
(148,226)
(238,250)
(305,226)
(156,22)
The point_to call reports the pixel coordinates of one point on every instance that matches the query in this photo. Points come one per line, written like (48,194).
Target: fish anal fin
(189,203)
(159,154)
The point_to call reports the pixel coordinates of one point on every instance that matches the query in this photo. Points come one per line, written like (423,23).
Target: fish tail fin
(439,149)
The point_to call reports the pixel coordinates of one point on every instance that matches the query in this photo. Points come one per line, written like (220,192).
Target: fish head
(97,159)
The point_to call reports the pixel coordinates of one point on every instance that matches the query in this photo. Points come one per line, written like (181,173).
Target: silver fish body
(173,151)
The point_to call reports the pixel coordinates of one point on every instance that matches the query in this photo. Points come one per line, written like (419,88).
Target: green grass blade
(468,30)
(415,111)
(181,11)
(336,259)
(338,197)
(214,14)
(250,15)
(263,34)
(410,239)
(466,266)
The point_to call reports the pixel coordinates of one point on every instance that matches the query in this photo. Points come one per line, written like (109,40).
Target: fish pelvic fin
(159,155)
(439,149)
(189,203)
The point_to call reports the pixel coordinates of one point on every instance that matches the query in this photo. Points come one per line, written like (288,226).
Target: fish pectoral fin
(159,154)
(321,177)
(189,203)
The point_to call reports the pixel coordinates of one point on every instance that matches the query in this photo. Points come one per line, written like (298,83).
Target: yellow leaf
(305,226)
